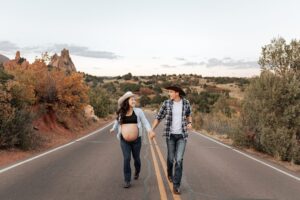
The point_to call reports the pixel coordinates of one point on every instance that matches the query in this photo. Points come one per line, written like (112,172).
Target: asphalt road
(91,168)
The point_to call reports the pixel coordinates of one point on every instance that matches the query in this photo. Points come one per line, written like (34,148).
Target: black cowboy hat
(176,88)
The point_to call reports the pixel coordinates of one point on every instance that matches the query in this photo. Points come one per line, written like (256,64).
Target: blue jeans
(133,147)
(176,147)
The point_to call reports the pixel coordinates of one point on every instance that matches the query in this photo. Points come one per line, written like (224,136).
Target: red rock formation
(18,62)
(63,61)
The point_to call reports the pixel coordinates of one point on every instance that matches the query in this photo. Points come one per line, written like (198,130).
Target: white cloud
(83,51)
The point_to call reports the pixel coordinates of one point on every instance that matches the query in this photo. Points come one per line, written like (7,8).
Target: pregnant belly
(129,132)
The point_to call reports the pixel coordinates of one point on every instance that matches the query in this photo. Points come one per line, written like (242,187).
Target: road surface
(91,168)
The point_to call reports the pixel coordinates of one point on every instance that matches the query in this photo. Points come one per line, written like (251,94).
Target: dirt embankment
(52,134)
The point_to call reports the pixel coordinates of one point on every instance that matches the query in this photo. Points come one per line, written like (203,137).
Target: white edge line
(251,157)
(55,149)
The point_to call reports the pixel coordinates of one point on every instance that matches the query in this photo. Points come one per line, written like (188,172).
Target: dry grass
(226,140)
(235,91)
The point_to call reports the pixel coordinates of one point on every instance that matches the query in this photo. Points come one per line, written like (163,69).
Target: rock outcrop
(63,61)
(18,62)
(89,113)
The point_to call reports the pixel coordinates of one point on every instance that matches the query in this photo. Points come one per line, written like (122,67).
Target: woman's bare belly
(129,132)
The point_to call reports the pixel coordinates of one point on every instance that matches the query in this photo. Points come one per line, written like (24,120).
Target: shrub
(17,131)
(144,100)
(101,102)
(130,87)
(127,76)
(271,107)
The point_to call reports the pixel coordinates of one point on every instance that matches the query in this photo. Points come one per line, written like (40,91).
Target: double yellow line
(161,186)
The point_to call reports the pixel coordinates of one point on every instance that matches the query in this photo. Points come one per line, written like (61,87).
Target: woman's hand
(152,134)
(112,131)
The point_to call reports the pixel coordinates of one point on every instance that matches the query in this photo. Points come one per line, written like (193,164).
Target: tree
(127,76)
(101,102)
(280,57)
(271,107)
(72,92)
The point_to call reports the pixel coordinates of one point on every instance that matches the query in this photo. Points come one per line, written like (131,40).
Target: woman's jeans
(176,147)
(133,147)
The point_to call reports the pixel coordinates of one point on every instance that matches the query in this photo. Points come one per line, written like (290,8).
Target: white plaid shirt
(165,111)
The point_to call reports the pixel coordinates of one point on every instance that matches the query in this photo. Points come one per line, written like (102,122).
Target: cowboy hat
(124,97)
(176,88)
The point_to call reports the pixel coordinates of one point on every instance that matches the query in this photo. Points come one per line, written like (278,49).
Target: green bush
(271,110)
(203,101)
(144,100)
(4,77)
(110,87)
(271,107)
(127,76)
(17,131)
(101,102)
(130,87)
(158,99)
(222,106)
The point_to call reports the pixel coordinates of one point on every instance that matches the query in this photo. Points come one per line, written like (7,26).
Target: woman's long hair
(122,111)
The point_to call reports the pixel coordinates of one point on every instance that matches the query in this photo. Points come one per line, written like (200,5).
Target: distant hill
(3,58)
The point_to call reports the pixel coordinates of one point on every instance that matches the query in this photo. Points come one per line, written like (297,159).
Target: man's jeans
(133,147)
(176,147)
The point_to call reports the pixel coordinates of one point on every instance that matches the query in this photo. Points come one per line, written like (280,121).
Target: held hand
(189,127)
(112,131)
(152,134)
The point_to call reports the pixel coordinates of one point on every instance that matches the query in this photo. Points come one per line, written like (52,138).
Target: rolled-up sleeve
(116,125)
(188,109)
(144,121)
(162,112)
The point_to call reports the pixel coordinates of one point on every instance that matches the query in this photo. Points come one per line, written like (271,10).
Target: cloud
(155,58)
(97,68)
(227,62)
(8,46)
(168,66)
(179,58)
(194,63)
(83,51)
(56,48)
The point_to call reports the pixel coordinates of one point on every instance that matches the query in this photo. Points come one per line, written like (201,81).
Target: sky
(115,37)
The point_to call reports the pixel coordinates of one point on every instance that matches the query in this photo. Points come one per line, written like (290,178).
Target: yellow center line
(163,162)
(161,187)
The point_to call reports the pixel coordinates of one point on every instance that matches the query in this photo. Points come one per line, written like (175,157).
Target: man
(177,111)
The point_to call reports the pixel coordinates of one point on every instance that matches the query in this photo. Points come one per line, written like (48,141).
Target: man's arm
(189,121)
(160,115)
(155,124)
(189,117)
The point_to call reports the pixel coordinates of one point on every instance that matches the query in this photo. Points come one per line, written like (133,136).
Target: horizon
(207,38)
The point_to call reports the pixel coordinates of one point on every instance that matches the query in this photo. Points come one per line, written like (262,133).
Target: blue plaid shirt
(165,111)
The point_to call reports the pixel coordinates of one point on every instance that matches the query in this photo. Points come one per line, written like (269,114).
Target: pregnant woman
(129,127)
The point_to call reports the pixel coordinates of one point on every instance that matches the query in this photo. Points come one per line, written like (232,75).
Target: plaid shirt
(166,111)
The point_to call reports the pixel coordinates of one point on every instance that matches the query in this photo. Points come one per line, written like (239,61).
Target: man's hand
(152,134)
(189,126)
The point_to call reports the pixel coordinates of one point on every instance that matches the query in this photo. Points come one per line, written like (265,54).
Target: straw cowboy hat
(124,97)
(176,88)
